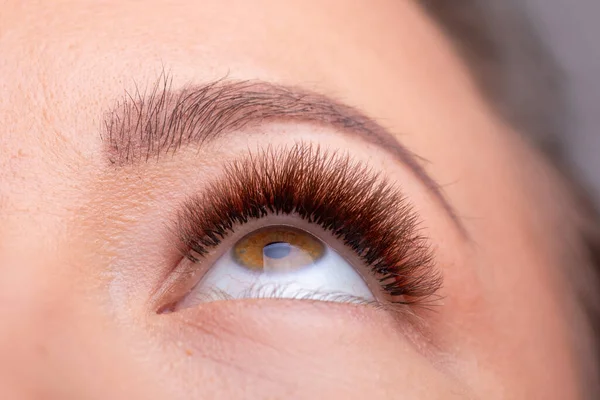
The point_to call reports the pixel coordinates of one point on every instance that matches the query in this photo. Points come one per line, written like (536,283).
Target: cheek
(295,349)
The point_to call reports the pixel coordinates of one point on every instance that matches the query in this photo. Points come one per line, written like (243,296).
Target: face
(299,199)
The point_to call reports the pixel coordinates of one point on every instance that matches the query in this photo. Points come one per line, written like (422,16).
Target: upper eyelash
(327,188)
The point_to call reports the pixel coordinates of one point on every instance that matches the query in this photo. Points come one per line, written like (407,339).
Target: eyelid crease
(144,126)
(325,188)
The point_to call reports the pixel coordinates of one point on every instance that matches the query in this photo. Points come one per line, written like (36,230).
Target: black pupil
(277,250)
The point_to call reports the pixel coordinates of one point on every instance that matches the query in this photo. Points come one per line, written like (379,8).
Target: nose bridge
(23,334)
(39,333)
(43,177)
(33,292)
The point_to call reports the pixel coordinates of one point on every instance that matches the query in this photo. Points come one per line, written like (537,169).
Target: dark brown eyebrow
(149,125)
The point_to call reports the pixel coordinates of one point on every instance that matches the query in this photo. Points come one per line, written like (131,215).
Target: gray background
(571,28)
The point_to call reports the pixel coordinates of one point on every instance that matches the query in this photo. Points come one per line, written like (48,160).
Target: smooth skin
(80,251)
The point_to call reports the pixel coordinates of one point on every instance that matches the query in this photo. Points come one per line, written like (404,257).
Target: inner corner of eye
(280,261)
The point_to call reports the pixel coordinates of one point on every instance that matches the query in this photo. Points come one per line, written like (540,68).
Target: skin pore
(84,248)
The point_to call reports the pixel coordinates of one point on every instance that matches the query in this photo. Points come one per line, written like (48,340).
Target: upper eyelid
(144,126)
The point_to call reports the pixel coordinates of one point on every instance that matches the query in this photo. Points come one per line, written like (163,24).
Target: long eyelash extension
(327,188)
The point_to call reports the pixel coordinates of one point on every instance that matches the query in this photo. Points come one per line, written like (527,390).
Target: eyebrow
(143,126)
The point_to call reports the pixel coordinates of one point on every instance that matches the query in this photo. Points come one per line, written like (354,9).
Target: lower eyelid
(223,321)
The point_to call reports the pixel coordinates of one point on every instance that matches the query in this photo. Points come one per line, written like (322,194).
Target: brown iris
(277,249)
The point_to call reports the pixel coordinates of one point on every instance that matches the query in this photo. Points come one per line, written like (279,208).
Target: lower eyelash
(275,291)
(343,197)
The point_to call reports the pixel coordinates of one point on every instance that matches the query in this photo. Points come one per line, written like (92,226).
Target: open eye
(383,258)
(279,261)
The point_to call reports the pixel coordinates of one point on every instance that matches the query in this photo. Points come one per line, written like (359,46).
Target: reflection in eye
(283,262)
(278,249)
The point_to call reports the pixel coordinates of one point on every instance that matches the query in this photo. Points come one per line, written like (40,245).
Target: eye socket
(279,262)
(362,215)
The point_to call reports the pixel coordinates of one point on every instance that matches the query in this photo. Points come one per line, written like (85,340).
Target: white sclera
(330,278)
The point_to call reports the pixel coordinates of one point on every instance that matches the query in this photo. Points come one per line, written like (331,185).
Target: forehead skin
(501,332)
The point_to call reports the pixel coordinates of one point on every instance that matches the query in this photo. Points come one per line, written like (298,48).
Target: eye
(280,261)
(272,194)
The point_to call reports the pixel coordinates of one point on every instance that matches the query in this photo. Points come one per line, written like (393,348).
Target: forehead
(63,65)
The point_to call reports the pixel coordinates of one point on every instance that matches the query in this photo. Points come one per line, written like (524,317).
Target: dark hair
(518,75)
(511,64)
